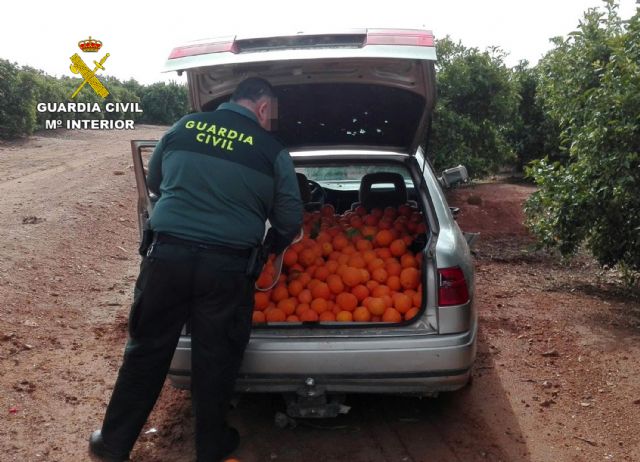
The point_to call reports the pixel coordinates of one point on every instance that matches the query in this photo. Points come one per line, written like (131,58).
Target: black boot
(99,451)
(228,442)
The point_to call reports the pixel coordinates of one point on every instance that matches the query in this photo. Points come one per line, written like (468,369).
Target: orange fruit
(380,291)
(393,282)
(355,221)
(410,278)
(361,292)
(340,242)
(411,313)
(351,276)
(326,248)
(344,316)
(327,210)
(368,256)
(369,232)
(321,273)
(309,316)
(293,318)
(305,296)
(290,257)
(383,253)
(288,305)
(390,212)
(360,210)
(275,315)
(391,315)
(332,266)
(307,257)
(371,284)
(295,287)
(375,263)
(261,300)
(258,317)
(347,301)
(402,302)
(361,314)
(393,267)
(301,308)
(356,261)
(383,238)
(398,248)
(327,316)
(364,275)
(408,260)
(372,219)
(304,278)
(379,274)
(364,245)
(335,284)
(319,305)
(376,306)
(349,250)
(280,292)
(265,278)
(320,290)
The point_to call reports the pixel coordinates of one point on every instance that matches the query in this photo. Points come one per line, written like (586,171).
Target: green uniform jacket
(220,176)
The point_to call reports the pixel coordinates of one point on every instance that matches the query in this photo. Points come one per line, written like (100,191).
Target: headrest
(374,198)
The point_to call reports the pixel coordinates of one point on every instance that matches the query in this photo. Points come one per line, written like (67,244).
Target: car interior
(376,190)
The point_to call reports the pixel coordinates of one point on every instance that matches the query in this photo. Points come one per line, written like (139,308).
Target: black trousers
(177,283)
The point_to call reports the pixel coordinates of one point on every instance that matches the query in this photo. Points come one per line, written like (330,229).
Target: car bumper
(408,364)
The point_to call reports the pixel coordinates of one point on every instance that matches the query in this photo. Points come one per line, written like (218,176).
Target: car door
(141,151)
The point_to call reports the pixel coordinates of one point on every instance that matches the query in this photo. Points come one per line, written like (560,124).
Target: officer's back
(219,176)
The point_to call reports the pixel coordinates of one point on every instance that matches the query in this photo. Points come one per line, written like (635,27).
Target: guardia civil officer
(219,175)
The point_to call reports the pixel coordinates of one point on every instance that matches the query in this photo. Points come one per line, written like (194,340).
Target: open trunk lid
(370,88)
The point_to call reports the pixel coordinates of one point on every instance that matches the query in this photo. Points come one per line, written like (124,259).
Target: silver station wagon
(355,109)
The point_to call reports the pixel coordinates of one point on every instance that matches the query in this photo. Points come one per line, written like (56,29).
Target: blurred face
(267,113)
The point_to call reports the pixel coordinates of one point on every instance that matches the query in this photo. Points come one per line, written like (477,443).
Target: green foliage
(590,85)
(476,105)
(17,101)
(164,103)
(21,88)
(533,134)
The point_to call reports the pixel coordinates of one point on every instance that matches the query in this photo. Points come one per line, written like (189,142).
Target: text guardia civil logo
(89,45)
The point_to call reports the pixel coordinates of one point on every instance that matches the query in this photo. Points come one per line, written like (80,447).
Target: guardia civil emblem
(78,66)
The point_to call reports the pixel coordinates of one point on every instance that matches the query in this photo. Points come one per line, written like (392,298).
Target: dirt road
(557,376)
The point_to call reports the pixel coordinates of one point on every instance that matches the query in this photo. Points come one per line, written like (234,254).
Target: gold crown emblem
(90,45)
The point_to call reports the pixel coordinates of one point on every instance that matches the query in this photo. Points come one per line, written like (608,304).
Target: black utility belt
(162,238)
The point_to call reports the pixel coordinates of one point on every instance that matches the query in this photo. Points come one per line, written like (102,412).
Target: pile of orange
(354,267)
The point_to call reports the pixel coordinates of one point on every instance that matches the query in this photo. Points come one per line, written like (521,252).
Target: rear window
(340,176)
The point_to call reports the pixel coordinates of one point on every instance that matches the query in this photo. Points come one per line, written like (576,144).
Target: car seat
(305,193)
(371,198)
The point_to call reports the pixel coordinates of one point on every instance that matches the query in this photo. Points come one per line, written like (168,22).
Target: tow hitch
(312,401)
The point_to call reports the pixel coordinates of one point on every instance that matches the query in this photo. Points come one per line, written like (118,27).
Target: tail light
(453,287)
(421,38)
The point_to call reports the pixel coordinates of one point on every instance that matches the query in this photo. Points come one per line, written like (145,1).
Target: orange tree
(590,83)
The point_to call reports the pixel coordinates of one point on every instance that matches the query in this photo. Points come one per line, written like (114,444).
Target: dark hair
(253,89)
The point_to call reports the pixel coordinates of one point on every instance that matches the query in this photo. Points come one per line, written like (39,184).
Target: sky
(139,35)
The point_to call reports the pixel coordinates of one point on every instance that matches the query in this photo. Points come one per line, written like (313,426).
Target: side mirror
(453,176)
